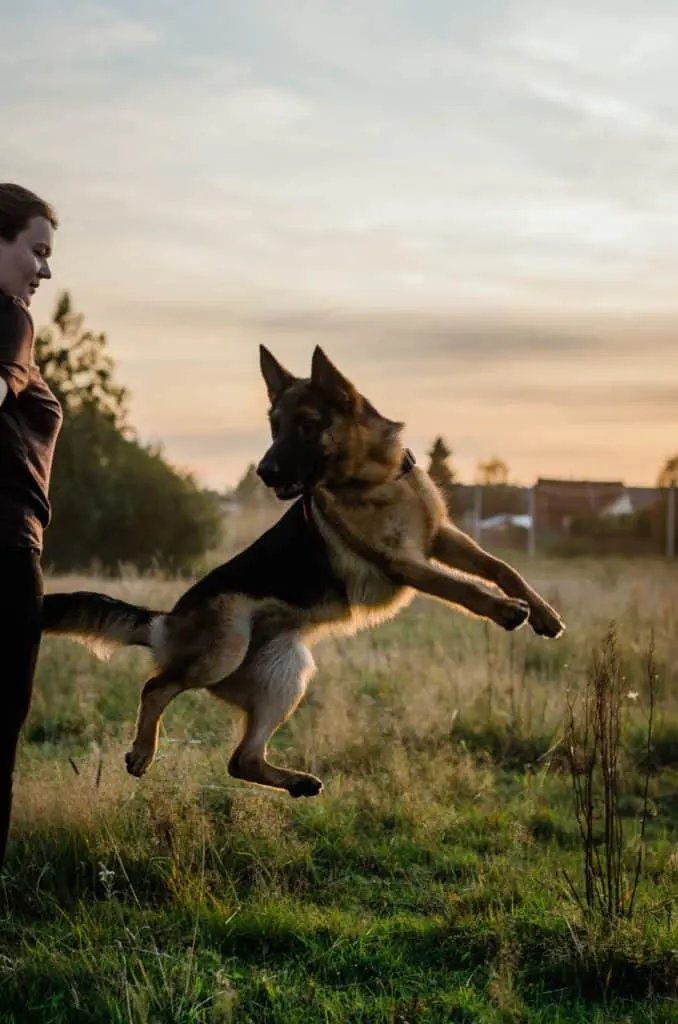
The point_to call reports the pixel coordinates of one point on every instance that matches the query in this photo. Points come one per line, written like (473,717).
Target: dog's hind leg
(269,689)
(456,549)
(155,696)
(219,638)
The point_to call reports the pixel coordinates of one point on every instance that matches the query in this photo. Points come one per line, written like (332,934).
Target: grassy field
(426,883)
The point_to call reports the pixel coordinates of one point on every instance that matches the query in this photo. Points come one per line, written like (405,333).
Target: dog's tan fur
(387,537)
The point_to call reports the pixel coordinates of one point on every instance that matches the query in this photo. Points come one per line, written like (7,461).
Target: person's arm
(16,342)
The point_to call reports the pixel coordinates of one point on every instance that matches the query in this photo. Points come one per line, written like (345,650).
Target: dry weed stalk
(594,749)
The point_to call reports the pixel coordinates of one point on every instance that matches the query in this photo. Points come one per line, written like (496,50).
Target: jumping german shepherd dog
(368,530)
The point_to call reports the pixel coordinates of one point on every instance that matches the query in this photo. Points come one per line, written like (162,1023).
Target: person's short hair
(18,206)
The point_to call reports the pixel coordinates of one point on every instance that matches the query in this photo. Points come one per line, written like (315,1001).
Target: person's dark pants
(21,590)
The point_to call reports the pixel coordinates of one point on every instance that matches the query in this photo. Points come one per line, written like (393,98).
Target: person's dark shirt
(30,420)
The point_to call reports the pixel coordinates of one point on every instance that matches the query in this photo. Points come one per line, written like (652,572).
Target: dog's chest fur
(371,595)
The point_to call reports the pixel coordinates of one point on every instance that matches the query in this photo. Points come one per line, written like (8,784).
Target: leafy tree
(669,473)
(439,468)
(77,367)
(493,473)
(499,497)
(441,472)
(659,512)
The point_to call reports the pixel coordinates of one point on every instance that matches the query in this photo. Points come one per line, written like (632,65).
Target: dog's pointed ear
(326,377)
(277,378)
(393,429)
(390,428)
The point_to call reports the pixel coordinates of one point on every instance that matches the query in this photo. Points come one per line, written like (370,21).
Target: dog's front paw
(546,622)
(305,785)
(512,613)
(138,760)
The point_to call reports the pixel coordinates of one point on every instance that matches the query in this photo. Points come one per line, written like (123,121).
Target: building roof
(632,499)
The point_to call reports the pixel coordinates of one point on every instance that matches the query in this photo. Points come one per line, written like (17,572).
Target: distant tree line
(116,502)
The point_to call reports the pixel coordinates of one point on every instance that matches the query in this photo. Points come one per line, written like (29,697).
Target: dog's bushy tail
(101,623)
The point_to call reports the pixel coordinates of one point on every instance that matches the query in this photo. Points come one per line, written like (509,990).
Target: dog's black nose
(269,471)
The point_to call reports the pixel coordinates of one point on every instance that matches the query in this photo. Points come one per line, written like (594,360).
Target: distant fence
(571,518)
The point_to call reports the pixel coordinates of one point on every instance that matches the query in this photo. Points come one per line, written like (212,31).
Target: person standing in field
(30,420)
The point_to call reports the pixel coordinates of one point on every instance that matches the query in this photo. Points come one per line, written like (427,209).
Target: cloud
(72,36)
(462,161)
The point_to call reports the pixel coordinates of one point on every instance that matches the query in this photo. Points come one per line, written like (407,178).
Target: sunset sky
(472,205)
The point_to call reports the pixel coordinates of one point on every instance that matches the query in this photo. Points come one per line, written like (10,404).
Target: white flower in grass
(106,877)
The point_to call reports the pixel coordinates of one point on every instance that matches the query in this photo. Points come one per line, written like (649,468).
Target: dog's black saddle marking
(289,562)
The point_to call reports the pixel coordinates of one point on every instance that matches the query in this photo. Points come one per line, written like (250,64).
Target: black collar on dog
(408,463)
(406,466)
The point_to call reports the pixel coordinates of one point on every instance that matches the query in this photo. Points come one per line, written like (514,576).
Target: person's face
(24,263)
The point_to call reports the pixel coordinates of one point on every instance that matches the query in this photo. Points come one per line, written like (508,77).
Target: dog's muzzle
(272,476)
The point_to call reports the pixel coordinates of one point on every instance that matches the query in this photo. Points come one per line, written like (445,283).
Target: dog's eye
(306,428)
